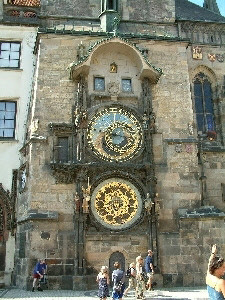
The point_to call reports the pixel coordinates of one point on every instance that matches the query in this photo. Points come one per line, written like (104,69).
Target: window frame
(94,87)
(14,119)
(202,106)
(65,148)
(131,87)
(10,54)
(109,5)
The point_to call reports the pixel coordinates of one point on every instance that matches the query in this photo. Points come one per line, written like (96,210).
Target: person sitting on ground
(103,283)
(132,279)
(38,274)
(216,269)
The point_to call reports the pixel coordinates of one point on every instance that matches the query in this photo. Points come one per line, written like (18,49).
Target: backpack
(118,286)
(128,273)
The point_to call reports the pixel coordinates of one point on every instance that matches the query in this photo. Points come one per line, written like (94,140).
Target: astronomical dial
(115,134)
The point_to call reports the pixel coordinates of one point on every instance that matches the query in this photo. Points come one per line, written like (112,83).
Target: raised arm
(213,253)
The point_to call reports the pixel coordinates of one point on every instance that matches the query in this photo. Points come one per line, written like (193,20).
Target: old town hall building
(121,146)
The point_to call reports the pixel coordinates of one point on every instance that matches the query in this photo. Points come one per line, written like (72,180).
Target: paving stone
(163,294)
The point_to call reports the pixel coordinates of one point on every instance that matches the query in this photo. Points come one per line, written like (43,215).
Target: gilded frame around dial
(115,134)
(116,204)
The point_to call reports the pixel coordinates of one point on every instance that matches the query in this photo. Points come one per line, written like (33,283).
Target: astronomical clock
(112,161)
(115,136)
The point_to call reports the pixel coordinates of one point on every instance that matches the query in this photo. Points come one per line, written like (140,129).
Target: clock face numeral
(115,134)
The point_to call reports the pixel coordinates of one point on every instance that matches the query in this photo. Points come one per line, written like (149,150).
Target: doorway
(116,256)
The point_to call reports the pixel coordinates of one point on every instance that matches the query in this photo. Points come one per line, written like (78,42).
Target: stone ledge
(40,215)
(202,212)
(210,148)
(178,140)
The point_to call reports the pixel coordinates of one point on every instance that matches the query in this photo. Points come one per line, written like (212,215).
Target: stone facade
(165,191)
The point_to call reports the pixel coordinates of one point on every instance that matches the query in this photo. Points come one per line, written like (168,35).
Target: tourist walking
(118,279)
(149,269)
(103,283)
(140,278)
(132,278)
(216,269)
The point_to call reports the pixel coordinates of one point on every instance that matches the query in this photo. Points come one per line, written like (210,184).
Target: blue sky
(220,3)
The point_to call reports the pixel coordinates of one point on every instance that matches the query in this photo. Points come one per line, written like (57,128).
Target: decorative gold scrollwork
(116,202)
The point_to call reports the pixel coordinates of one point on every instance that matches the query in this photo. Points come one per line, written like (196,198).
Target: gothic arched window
(203,103)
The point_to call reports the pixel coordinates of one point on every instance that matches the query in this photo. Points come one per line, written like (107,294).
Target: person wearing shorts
(38,274)
(149,268)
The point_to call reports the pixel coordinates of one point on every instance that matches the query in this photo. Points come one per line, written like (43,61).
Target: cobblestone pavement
(163,294)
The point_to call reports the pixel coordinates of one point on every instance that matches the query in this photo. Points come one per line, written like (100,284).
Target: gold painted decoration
(212,57)
(116,203)
(115,134)
(197,52)
(25,2)
(113,68)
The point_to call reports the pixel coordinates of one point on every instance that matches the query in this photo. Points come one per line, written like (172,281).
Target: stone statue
(152,126)
(23,180)
(86,199)
(148,203)
(77,202)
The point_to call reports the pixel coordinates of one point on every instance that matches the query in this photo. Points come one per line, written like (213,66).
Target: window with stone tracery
(203,104)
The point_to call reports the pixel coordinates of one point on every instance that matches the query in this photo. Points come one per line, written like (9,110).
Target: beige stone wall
(184,254)
(99,247)
(214,167)
(128,9)
(181,243)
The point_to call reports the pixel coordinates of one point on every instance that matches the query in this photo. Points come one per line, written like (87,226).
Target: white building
(17,63)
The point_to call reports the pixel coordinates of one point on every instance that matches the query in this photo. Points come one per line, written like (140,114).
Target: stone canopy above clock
(114,66)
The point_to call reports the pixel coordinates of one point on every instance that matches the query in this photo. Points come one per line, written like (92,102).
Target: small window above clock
(126,85)
(99,83)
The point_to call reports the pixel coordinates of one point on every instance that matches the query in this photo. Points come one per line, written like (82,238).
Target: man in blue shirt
(39,270)
(149,268)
